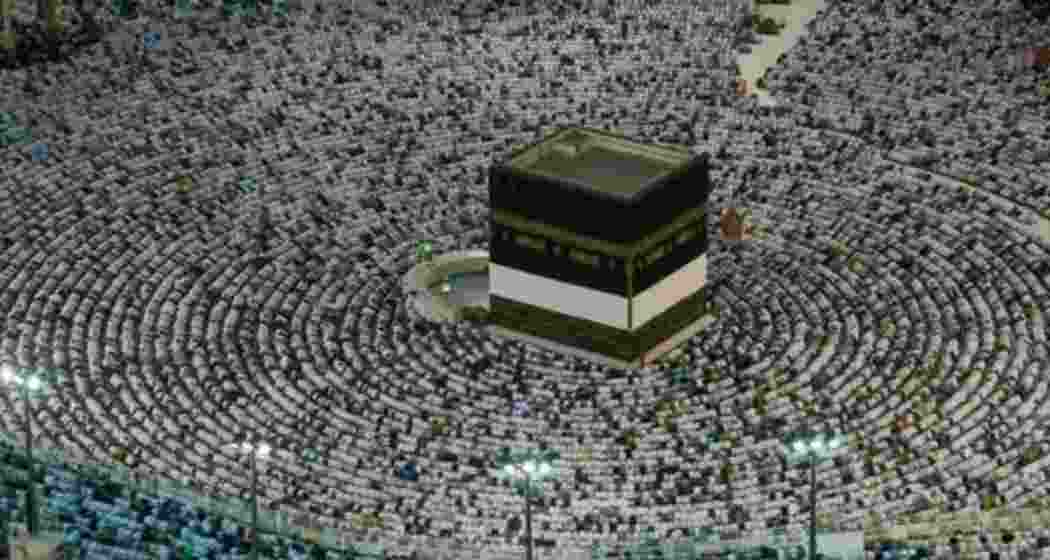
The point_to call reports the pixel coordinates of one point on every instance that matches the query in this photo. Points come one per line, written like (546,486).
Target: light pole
(30,384)
(527,469)
(811,447)
(256,451)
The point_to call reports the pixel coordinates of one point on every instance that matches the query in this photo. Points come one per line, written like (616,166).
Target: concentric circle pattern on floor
(180,329)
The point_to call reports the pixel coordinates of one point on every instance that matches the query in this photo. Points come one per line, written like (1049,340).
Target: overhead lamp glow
(7,373)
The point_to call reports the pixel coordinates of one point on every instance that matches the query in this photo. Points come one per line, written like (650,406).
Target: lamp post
(527,469)
(256,451)
(811,447)
(30,384)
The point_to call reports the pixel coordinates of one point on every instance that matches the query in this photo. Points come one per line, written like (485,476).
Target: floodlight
(32,384)
(254,451)
(532,467)
(812,447)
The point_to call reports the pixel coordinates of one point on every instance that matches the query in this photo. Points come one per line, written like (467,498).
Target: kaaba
(599,242)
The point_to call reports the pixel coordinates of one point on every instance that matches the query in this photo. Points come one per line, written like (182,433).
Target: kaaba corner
(599,244)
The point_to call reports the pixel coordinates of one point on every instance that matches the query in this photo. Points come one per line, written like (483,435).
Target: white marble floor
(765,54)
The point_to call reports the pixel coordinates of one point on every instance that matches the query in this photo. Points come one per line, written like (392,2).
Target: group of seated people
(898,299)
(943,87)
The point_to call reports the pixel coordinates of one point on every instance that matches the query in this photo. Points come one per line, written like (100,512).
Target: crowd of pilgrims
(189,319)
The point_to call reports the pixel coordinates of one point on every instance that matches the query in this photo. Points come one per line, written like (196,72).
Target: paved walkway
(765,54)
